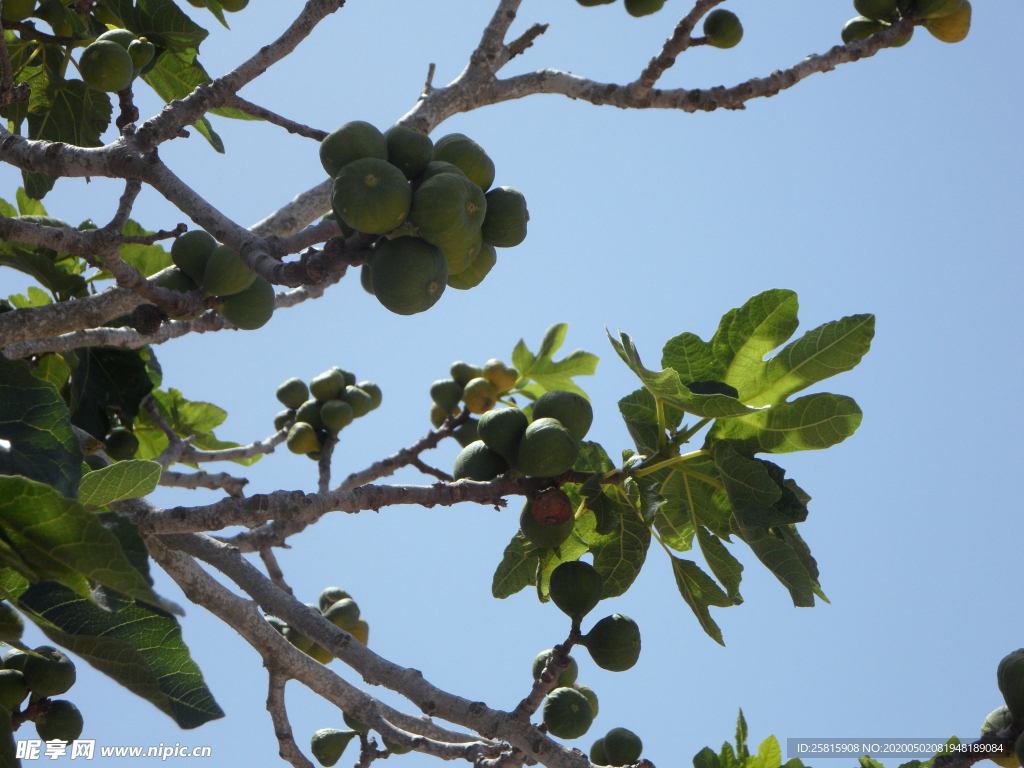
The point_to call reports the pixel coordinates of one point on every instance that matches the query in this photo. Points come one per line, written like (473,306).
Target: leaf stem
(669,462)
(684,436)
(662,427)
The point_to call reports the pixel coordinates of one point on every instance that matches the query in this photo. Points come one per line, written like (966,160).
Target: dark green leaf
(122,480)
(517,569)
(823,352)
(745,335)
(34,420)
(747,482)
(666,386)
(726,568)
(46,528)
(619,555)
(139,647)
(640,412)
(206,131)
(692,358)
(74,114)
(700,591)
(161,21)
(706,758)
(53,370)
(37,184)
(808,423)
(47,267)
(108,378)
(781,558)
(131,541)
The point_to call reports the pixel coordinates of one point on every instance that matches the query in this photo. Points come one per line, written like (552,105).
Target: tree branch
(236,101)
(287,748)
(675,45)
(274,570)
(192,480)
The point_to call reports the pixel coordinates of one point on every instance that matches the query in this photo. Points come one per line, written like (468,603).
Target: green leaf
(34,421)
(747,482)
(517,569)
(52,270)
(820,353)
(779,555)
(37,184)
(706,758)
(769,755)
(35,298)
(206,131)
(640,412)
(809,423)
(75,114)
(692,358)
(27,206)
(742,753)
(139,647)
(727,757)
(217,10)
(572,548)
(108,378)
(666,386)
(700,591)
(161,21)
(620,554)
(53,370)
(602,500)
(123,480)
(726,568)
(9,211)
(745,335)
(46,528)
(549,374)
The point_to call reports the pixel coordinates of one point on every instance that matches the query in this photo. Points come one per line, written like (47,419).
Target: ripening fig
(479,396)
(343,613)
(500,375)
(327,386)
(293,393)
(106,66)
(952,28)
(283,418)
(302,438)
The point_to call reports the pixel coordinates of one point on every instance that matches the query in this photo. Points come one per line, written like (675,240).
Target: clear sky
(891,185)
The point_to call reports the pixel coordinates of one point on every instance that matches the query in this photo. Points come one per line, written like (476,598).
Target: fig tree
(336,415)
(293,393)
(505,223)
(467,433)
(500,375)
(226,273)
(567,713)
(568,676)
(722,28)
(502,430)
(614,643)
(11,624)
(283,418)
(576,588)
(252,307)
(880,10)
(475,273)
(408,150)
(330,596)
(361,632)
(952,28)
(13,689)
(371,195)
(50,673)
(191,251)
(302,438)
(328,744)
(343,613)
(106,66)
(589,693)
(61,721)
(572,411)
(409,275)
(543,536)
(309,413)
(463,373)
(597,755)
(376,396)
(464,153)
(622,746)
(547,449)
(1010,677)
(551,507)
(18,10)
(479,396)
(121,445)
(353,141)
(643,7)
(327,386)
(478,462)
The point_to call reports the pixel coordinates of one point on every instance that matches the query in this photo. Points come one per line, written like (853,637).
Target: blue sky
(892,185)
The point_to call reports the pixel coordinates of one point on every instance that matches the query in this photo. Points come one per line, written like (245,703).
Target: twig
(429,85)
(557,663)
(274,570)
(426,469)
(193,455)
(324,465)
(675,45)
(29,30)
(320,232)
(129,113)
(192,480)
(237,102)
(526,39)
(287,748)
(368,751)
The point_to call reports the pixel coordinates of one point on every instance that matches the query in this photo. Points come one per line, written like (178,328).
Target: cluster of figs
(1010,678)
(36,675)
(326,406)
(116,58)
(201,263)
(946,20)
(569,710)
(434,203)
(337,606)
